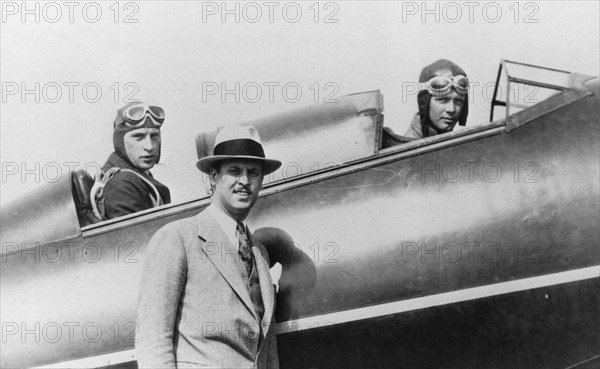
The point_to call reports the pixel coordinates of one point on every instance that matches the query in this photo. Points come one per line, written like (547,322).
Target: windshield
(520,86)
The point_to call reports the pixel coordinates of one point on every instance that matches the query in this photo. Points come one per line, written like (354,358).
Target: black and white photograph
(300,184)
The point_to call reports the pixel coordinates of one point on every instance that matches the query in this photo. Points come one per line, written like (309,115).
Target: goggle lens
(157,112)
(439,83)
(462,82)
(442,85)
(136,112)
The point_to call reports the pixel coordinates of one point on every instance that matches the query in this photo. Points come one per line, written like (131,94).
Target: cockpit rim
(416,147)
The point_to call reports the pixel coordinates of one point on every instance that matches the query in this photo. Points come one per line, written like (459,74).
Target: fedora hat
(237,142)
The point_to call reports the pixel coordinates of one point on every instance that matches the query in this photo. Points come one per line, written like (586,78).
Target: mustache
(246,188)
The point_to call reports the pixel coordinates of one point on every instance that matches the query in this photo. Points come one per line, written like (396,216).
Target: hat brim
(207,163)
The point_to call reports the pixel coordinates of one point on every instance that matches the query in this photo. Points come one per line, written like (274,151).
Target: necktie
(244,249)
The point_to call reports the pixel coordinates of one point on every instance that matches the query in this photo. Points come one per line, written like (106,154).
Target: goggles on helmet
(135,116)
(441,86)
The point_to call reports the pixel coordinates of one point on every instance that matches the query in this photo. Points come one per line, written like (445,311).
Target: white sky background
(170,52)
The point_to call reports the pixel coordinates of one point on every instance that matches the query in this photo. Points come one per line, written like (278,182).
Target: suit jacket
(194,308)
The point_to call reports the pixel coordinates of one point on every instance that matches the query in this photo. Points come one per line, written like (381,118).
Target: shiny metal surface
(46,215)
(454,212)
(316,137)
(505,207)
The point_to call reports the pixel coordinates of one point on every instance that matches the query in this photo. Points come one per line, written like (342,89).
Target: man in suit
(206,297)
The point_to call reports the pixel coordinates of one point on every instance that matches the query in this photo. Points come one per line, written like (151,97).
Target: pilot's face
(142,146)
(236,185)
(445,110)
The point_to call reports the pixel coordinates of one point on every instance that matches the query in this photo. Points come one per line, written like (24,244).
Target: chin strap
(97,192)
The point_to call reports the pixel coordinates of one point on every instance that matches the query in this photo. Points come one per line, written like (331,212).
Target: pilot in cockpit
(442,99)
(136,139)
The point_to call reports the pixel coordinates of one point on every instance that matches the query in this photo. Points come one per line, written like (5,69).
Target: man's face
(445,110)
(142,146)
(236,185)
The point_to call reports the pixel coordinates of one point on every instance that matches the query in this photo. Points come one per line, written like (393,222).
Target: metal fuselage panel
(47,214)
(395,227)
(501,208)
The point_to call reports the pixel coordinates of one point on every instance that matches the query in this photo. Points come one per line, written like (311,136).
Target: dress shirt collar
(227,224)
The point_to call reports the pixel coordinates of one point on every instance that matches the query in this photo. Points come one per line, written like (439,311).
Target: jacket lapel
(221,253)
(266,284)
